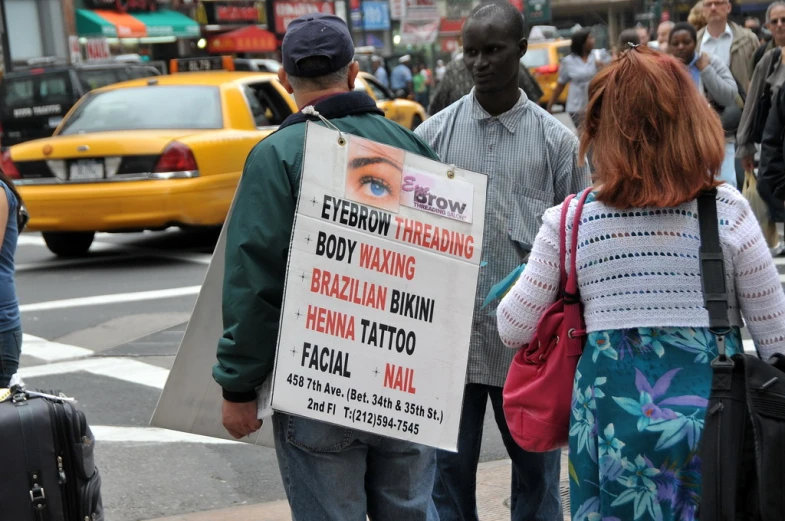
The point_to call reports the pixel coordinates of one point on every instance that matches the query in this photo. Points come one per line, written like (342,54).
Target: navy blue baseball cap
(312,35)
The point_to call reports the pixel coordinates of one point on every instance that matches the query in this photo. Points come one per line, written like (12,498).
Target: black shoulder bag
(764,101)
(742,448)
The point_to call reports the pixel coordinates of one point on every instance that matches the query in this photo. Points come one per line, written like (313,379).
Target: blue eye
(375,187)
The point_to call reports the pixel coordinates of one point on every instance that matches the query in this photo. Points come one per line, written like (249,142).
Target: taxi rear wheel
(68,244)
(416,121)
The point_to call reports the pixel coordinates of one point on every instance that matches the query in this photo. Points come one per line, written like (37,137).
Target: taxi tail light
(176,158)
(8,166)
(547,69)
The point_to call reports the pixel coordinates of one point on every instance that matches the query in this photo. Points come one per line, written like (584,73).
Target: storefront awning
(113,24)
(169,23)
(247,39)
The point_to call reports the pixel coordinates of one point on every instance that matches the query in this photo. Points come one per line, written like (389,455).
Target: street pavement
(105,329)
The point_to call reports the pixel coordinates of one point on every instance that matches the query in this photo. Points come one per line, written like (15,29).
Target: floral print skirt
(639,402)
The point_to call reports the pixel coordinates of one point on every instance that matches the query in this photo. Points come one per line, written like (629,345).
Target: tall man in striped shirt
(531,161)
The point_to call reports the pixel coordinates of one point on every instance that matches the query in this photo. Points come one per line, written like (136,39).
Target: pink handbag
(538,389)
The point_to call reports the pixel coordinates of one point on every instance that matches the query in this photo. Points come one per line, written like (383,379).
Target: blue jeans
(10,349)
(535,477)
(332,473)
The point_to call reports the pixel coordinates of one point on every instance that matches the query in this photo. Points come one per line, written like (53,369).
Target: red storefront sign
(286,11)
(238,13)
(98,49)
(247,39)
(451,27)
(124,5)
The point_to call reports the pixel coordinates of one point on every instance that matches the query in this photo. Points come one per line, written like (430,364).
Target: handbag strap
(565,209)
(712,264)
(570,289)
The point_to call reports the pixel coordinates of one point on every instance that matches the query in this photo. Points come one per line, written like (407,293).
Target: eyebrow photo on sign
(373,174)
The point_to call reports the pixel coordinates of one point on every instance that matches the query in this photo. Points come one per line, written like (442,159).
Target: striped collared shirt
(531,160)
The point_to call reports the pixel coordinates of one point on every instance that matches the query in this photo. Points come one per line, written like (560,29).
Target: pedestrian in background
(756,29)
(735,46)
(644,379)
(663,33)
(440,71)
(775,33)
(420,83)
(627,38)
(329,472)
(380,72)
(401,80)
(771,173)
(643,34)
(457,82)
(696,18)
(768,78)
(753,24)
(727,40)
(577,69)
(532,163)
(713,78)
(11,223)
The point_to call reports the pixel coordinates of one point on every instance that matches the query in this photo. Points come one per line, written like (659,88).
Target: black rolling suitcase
(47,470)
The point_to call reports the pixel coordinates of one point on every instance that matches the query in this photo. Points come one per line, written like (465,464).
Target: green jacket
(259,231)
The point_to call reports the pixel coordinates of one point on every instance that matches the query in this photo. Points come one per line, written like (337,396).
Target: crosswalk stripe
(51,351)
(123,250)
(106,433)
(114,298)
(26,239)
(120,368)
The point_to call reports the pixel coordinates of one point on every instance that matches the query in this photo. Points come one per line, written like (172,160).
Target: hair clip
(633,45)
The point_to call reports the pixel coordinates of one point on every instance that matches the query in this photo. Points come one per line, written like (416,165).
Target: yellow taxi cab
(542,59)
(146,154)
(405,112)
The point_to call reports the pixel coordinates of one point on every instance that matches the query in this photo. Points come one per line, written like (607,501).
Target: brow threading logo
(425,200)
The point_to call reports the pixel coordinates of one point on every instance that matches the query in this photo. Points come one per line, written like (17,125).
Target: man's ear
(284,79)
(523,46)
(354,70)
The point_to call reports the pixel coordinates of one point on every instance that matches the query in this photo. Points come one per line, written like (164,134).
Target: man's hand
(748,163)
(239,419)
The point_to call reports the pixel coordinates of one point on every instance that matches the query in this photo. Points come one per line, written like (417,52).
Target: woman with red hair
(643,381)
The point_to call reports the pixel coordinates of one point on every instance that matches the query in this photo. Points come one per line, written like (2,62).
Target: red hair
(654,139)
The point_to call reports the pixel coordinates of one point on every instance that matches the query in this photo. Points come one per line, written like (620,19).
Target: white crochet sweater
(639,268)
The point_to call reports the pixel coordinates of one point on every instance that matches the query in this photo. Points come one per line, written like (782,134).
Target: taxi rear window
(147,108)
